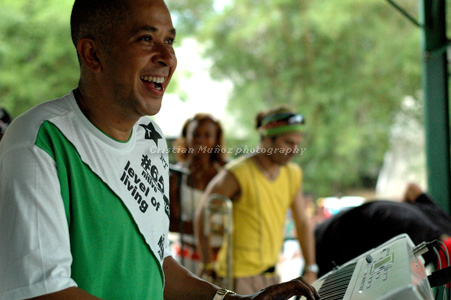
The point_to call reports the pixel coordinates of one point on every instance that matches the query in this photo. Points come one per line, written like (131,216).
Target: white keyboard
(388,272)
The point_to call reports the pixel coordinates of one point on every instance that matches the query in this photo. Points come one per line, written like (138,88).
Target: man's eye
(170,41)
(145,38)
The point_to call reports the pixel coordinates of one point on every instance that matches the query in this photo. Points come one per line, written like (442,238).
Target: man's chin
(153,107)
(286,161)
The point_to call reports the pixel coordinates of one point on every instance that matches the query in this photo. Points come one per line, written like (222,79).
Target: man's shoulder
(26,126)
(294,171)
(292,166)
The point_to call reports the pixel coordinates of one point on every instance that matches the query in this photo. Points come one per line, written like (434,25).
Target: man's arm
(412,192)
(35,255)
(304,235)
(181,284)
(72,293)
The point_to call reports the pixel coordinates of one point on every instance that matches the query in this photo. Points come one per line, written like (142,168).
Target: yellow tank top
(258,217)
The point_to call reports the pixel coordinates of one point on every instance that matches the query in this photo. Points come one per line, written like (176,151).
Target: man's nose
(164,56)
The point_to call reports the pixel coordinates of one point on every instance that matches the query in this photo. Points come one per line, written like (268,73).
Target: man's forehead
(292,136)
(154,28)
(146,2)
(152,16)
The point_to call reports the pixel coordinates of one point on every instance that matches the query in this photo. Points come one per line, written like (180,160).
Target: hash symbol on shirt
(145,162)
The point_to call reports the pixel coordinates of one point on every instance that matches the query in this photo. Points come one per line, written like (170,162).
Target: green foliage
(37,58)
(188,15)
(346,65)
(36,54)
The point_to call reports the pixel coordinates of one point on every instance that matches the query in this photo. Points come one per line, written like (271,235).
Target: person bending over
(357,230)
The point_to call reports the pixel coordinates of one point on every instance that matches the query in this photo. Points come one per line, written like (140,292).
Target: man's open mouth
(157,81)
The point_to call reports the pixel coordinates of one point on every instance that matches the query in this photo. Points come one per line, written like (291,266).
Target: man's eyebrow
(151,29)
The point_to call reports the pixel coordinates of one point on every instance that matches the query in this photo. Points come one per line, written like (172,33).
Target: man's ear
(87,50)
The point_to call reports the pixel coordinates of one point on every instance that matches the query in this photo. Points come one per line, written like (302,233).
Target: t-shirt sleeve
(35,255)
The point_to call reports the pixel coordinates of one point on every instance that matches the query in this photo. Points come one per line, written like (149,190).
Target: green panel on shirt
(111,259)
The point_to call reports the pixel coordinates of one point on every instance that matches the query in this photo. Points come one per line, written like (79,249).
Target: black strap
(269,270)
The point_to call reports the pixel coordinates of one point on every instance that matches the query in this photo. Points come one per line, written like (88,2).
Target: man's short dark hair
(96,19)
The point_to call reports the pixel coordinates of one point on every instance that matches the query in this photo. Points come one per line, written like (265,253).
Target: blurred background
(351,67)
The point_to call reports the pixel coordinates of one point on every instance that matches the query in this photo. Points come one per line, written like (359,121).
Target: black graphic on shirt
(151,133)
(151,174)
(136,187)
(145,184)
(163,161)
(161,245)
(166,205)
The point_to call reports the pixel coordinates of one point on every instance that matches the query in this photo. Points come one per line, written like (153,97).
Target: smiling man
(84,208)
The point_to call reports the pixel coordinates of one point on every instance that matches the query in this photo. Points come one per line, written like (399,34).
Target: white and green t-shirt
(78,208)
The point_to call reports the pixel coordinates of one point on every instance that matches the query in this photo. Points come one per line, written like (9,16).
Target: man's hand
(413,191)
(286,290)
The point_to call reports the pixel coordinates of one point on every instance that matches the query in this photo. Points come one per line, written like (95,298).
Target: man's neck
(268,168)
(101,117)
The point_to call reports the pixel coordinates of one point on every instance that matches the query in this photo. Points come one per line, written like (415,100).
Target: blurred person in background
(200,154)
(262,186)
(356,230)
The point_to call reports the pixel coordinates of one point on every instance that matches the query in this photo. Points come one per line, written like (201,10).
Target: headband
(281,123)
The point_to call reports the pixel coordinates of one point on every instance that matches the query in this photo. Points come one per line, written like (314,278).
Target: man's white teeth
(152,79)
